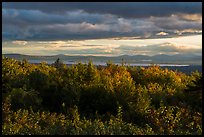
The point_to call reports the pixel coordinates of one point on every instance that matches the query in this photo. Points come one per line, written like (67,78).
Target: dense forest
(83,99)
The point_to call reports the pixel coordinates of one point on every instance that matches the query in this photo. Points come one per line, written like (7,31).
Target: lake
(104,63)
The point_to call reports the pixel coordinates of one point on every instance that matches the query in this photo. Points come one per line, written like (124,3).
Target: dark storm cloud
(122,9)
(65,21)
(32,17)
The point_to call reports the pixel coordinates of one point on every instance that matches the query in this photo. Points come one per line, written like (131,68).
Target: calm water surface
(104,63)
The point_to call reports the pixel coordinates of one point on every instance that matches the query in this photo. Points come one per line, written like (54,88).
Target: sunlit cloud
(111,47)
(162,33)
(18,42)
(192,17)
(188,31)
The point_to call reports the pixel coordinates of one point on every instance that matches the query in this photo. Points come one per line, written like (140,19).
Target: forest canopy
(95,100)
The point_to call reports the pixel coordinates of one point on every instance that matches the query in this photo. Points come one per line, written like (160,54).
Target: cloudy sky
(102,28)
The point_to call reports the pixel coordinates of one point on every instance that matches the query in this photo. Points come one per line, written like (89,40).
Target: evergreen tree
(58,64)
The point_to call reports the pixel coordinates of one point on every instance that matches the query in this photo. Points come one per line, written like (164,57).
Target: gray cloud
(33,17)
(67,21)
(176,23)
(122,9)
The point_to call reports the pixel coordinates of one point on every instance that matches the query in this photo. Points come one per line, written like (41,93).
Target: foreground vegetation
(111,100)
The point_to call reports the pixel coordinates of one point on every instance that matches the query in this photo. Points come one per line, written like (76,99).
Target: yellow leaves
(154,88)
(106,87)
(142,68)
(171,91)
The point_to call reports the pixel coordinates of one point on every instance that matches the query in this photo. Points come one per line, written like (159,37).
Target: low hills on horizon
(189,59)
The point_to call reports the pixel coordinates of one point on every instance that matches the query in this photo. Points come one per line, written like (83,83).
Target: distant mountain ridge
(160,58)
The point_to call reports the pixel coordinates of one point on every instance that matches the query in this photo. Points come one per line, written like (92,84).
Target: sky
(102,28)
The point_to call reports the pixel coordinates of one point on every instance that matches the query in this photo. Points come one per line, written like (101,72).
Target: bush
(171,120)
(24,122)
(24,98)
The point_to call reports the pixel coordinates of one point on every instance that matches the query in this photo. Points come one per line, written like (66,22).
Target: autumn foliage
(85,99)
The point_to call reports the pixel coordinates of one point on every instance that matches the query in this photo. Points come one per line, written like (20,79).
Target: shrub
(24,98)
